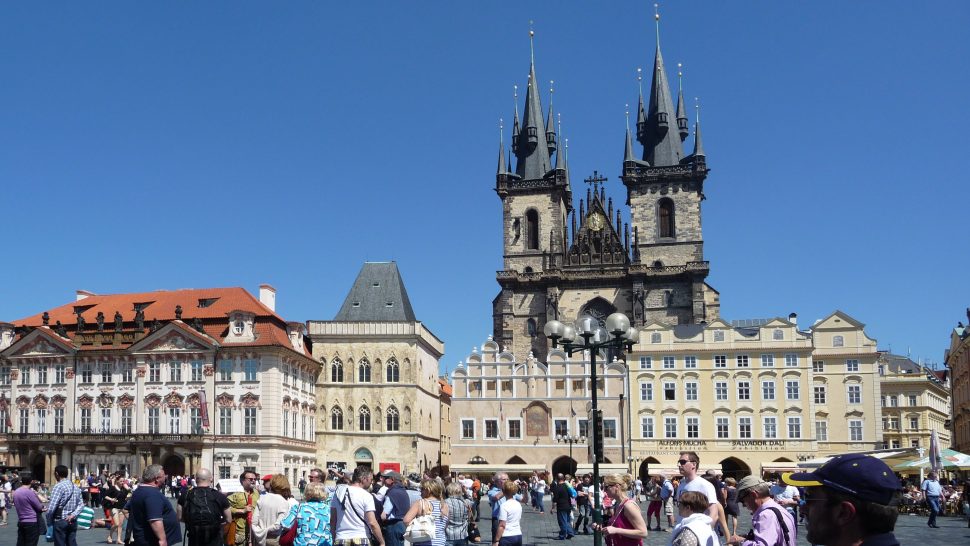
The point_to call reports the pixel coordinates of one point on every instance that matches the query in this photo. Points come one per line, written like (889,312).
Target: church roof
(378,295)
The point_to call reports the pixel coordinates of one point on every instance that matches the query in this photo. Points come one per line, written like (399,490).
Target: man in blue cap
(850,500)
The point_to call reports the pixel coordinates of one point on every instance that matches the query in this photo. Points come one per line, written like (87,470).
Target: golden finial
(501,125)
(559,123)
(532,48)
(697,109)
(680,76)
(640,80)
(627,112)
(656,17)
(551,88)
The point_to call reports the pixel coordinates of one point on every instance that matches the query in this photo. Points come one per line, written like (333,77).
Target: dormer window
(389,304)
(376,285)
(238,327)
(356,304)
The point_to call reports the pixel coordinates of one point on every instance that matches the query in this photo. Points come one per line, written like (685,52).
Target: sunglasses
(684,461)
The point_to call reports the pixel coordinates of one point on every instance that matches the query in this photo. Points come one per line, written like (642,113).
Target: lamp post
(571,439)
(588,335)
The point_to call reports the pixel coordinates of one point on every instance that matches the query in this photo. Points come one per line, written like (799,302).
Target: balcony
(103,435)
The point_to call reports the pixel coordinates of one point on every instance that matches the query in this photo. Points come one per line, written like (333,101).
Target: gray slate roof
(378,295)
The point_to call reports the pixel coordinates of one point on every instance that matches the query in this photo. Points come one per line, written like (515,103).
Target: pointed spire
(550,124)
(682,118)
(660,148)
(501,149)
(515,120)
(641,114)
(628,145)
(698,142)
(561,156)
(532,153)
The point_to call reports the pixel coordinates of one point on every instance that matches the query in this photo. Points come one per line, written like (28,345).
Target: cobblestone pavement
(541,530)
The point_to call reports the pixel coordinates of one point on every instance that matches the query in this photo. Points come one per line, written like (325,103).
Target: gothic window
(532,229)
(336,371)
(393,420)
(336,418)
(363,371)
(530,327)
(665,213)
(393,371)
(363,418)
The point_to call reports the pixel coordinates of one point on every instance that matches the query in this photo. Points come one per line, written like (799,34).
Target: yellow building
(915,403)
(754,396)
(957,360)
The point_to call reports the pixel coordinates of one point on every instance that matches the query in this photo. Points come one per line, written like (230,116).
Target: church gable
(599,239)
(39,342)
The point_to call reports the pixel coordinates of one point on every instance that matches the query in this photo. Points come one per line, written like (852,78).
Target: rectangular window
(225,421)
(127,372)
(4,375)
(768,389)
(744,427)
(58,420)
(249,421)
(646,392)
(720,361)
(87,375)
(894,401)
(914,442)
(818,366)
(914,423)
(646,362)
(855,394)
(105,419)
(60,374)
(723,426)
(690,390)
(583,427)
(250,369)
(106,372)
(693,427)
(852,365)
(491,429)
(24,375)
(744,390)
(742,361)
(778,335)
(767,361)
(609,429)
(670,391)
(670,427)
(655,337)
(794,427)
(154,372)
(175,372)
(24,421)
(225,370)
(646,427)
(822,430)
(913,400)
(791,360)
(791,390)
(467,429)
(42,374)
(126,420)
(855,430)
(225,472)
(196,367)
(515,429)
(560,427)
(174,420)
(86,419)
(690,362)
(153,421)
(668,362)
(720,390)
(42,421)
(771,427)
(718,335)
(819,392)
(195,420)
(895,444)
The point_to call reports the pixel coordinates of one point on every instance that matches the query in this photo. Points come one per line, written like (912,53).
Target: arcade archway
(564,465)
(37,466)
(174,465)
(644,471)
(735,468)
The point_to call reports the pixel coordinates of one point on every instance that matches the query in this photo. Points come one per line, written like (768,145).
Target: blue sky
(193,144)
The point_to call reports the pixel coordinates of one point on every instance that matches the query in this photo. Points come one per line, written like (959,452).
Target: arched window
(336,371)
(665,213)
(532,229)
(336,418)
(363,418)
(838,341)
(530,327)
(393,420)
(363,371)
(393,371)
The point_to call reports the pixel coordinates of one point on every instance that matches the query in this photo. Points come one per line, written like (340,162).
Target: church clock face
(596,221)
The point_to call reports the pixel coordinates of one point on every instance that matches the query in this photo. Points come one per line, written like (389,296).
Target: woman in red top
(626,527)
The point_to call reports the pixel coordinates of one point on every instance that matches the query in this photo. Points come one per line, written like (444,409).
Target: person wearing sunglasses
(688,463)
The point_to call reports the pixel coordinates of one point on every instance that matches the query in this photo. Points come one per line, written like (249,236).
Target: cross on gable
(595,180)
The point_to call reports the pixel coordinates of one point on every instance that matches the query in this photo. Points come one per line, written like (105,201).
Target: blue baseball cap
(862,476)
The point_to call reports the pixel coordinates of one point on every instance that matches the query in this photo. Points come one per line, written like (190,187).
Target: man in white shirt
(689,463)
(786,496)
(352,512)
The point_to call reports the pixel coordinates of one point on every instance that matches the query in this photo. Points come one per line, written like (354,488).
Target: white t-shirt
(540,487)
(349,523)
(783,492)
(511,513)
(700,485)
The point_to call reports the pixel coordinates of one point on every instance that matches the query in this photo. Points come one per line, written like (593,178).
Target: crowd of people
(851,499)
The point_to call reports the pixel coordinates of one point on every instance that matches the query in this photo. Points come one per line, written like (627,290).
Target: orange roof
(444,386)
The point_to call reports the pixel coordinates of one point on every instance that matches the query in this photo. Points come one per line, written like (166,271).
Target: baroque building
(379,396)
(915,403)
(957,361)
(183,378)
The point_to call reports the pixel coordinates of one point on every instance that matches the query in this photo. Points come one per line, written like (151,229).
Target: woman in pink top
(626,527)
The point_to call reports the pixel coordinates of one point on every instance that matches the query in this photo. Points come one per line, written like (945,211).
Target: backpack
(200,511)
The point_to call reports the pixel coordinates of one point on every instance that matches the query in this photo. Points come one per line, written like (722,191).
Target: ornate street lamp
(570,439)
(587,335)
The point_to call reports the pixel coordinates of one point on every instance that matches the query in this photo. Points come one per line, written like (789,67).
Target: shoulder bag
(289,536)
(421,528)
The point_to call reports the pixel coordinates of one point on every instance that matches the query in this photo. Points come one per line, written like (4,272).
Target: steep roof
(378,295)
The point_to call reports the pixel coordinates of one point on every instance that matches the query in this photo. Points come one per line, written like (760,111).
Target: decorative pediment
(174,400)
(598,239)
(85,402)
(39,342)
(174,337)
(23,402)
(225,400)
(837,320)
(58,401)
(40,401)
(126,401)
(153,401)
(250,400)
(193,400)
(105,400)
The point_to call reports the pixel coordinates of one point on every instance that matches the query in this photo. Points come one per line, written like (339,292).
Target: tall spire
(550,124)
(515,120)
(628,147)
(532,151)
(698,142)
(660,147)
(641,113)
(501,149)
(682,118)
(561,155)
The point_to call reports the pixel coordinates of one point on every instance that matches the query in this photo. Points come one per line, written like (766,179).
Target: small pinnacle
(551,88)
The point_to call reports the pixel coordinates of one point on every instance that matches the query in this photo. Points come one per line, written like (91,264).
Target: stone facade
(915,403)
(957,361)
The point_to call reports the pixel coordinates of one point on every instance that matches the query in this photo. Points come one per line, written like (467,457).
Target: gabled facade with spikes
(561,262)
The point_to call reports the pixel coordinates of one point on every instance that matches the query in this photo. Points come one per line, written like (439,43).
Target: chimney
(267,296)
(81,294)
(793,318)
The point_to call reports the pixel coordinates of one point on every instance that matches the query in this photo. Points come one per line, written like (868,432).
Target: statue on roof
(178,312)
(140,319)
(46,317)
(60,329)
(197,324)
(119,321)
(155,325)
(80,322)
(100,320)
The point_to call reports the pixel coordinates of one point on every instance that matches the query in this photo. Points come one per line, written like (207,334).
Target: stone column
(49,465)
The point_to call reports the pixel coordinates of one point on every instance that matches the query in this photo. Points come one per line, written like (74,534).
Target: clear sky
(150,145)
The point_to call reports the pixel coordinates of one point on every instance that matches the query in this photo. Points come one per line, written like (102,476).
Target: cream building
(915,403)
(183,378)
(757,396)
(957,360)
(518,414)
(379,390)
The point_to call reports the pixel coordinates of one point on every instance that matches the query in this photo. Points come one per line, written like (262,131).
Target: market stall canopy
(950,459)
(481,469)
(891,456)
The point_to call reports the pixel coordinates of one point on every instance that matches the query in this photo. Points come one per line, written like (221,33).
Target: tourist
(459,515)
(932,490)
(771,524)
(584,504)
(312,516)
(30,514)
(694,528)
(786,496)
(154,522)
(539,492)
(496,497)
(731,509)
(396,504)
(651,492)
(562,499)
(274,505)
(430,504)
(689,464)
(115,498)
(242,504)
(204,511)
(667,490)
(64,507)
(851,499)
(5,499)
(352,512)
(626,526)
(509,532)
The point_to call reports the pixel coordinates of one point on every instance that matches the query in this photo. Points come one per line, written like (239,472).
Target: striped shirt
(85,518)
(66,496)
